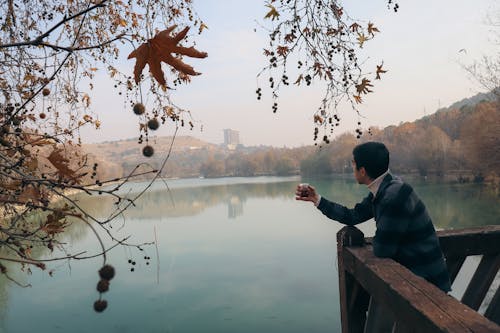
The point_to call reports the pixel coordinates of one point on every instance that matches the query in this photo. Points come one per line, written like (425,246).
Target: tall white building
(231,137)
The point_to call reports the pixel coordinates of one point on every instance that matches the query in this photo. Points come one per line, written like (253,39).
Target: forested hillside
(461,142)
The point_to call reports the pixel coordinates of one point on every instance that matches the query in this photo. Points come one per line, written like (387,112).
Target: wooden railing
(418,305)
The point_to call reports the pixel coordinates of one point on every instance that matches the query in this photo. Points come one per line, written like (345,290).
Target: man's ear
(362,171)
(364,175)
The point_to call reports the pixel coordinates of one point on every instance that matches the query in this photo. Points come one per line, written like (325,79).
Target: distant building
(231,138)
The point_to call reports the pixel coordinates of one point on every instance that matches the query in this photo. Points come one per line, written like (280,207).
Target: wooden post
(353,298)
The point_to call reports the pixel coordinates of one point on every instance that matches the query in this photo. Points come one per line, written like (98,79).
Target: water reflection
(450,205)
(190,201)
(234,207)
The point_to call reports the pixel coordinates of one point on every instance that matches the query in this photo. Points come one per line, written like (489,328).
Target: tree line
(461,142)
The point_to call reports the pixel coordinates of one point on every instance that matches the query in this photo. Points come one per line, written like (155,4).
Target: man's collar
(375,185)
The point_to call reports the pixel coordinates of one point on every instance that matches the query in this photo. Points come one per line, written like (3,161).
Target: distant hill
(471,101)
(125,148)
(122,156)
(463,136)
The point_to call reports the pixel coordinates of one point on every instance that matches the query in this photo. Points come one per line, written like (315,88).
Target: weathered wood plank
(470,241)
(413,300)
(493,310)
(454,264)
(481,281)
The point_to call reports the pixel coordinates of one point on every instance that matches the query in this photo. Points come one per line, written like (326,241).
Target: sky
(423,46)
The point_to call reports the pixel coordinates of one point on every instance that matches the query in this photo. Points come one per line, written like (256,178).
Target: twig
(157,258)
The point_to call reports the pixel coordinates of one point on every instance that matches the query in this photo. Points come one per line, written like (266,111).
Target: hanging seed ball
(42,115)
(103,286)
(153,124)
(148,151)
(100,305)
(45,91)
(107,272)
(139,109)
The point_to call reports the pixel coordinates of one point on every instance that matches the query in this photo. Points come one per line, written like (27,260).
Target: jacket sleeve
(361,212)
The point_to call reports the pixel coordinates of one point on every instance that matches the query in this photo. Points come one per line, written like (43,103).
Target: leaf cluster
(319,41)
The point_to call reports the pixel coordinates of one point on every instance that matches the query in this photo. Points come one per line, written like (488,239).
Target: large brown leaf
(160,48)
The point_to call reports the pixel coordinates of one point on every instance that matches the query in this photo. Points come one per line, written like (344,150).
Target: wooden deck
(418,305)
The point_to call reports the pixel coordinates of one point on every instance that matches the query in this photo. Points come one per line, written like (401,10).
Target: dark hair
(373,156)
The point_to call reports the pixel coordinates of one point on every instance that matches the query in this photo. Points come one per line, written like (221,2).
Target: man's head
(373,157)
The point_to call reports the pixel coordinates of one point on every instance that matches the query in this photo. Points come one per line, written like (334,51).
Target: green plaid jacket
(404,230)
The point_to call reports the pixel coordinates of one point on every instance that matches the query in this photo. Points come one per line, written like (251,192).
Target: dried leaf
(160,48)
(290,37)
(299,79)
(372,29)
(273,13)
(86,100)
(354,27)
(364,86)
(31,164)
(358,99)
(61,163)
(282,50)
(380,70)
(318,119)
(13,185)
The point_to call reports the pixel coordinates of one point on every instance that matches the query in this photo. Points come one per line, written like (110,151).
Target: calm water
(232,255)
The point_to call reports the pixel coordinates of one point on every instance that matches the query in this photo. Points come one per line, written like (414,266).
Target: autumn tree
(50,54)
(481,140)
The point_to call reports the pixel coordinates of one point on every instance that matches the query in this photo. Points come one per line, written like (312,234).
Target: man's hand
(306,192)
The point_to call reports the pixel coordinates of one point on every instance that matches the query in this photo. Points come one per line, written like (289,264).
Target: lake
(232,255)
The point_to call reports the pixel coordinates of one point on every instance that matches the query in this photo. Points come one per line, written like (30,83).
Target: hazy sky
(419,46)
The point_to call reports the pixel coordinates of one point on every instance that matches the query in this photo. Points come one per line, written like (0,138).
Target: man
(404,230)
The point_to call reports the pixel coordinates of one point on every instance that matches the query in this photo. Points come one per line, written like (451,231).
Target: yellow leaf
(202,27)
(273,13)
(169,111)
(299,79)
(86,100)
(361,39)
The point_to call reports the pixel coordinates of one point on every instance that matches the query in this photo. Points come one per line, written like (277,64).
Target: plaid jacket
(404,230)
